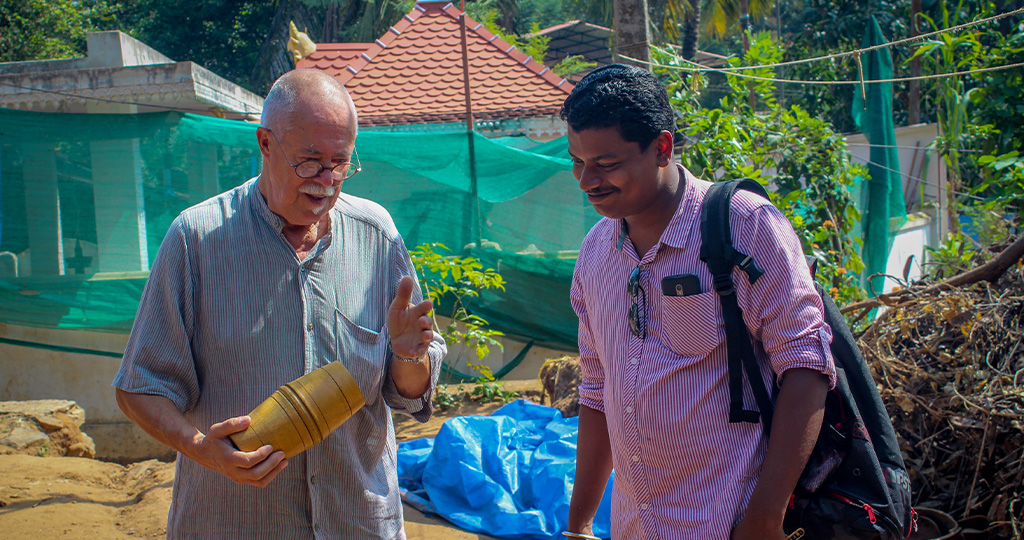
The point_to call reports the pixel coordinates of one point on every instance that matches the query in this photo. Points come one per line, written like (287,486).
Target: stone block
(46,427)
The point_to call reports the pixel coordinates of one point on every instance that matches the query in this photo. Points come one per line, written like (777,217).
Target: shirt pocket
(363,352)
(692,325)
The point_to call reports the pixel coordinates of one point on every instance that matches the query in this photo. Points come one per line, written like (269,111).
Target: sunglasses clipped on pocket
(678,285)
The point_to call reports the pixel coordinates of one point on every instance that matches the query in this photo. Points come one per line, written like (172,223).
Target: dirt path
(70,497)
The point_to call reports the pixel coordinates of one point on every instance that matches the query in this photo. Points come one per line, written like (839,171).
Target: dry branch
(949,363)
(989,271)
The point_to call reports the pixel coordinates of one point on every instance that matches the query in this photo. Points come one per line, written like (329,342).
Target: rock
(47,427)
(21,438)
(560,378)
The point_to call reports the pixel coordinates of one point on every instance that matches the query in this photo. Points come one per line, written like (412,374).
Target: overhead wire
(921,180)
(699,67)
(694,67)
(799,81)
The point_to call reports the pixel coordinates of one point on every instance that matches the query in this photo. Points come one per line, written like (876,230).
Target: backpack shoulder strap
(717,251)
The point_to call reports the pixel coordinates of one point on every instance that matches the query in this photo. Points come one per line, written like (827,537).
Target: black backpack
(855,485)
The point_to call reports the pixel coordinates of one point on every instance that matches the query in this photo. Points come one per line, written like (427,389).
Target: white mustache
(317,190)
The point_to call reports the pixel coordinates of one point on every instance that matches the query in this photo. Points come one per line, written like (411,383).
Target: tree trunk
(690,29)
(632,35)
(274,59)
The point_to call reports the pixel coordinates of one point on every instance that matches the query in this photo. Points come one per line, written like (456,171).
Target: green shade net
(85,201)
(882,196)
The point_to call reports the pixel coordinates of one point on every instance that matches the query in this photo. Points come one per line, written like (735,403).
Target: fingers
(422,309)
(256,468)
(266,470)
(404,295)
(229,426)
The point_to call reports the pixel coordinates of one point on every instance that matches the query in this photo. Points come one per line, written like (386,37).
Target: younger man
(654,399)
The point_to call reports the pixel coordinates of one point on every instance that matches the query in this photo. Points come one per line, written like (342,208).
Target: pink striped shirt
(682,470)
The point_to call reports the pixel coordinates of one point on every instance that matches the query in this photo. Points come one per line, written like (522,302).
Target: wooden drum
(303,412)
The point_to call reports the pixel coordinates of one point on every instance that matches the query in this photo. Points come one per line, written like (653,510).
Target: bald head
(300,91)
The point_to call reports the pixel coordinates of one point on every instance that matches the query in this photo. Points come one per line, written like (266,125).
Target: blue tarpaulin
(508,475)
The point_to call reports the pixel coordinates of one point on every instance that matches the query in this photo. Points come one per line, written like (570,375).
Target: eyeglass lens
(312,169)
(638,310)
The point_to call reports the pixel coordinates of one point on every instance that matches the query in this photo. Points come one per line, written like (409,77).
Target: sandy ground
(84,498)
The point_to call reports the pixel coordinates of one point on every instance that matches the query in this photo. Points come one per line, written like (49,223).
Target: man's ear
(263,140)
(663,144)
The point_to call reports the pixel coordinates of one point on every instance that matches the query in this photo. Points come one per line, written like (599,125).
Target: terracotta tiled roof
(334,55)
(414,73)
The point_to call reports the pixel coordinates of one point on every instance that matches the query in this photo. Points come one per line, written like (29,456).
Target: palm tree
(720,15)
(683,20)
(326,21)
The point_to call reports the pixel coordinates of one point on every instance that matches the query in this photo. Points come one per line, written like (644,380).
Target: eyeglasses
(638,310)
(312,168)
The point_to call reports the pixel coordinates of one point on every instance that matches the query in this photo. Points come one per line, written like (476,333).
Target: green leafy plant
(487,388)
(952,257)
(534,45)
(1002,181)
(451,282)
(571,65)
(801,157)
(946,53)
(444,399)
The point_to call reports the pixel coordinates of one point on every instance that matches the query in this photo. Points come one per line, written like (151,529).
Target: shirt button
(644,506)
(312,480)
(634,361)
(636,457)
(309,326)
(629,409)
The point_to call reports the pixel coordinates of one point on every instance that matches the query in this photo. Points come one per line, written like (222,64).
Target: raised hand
(409,326)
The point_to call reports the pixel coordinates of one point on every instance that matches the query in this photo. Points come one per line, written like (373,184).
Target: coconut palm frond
(677,14)
(718,15)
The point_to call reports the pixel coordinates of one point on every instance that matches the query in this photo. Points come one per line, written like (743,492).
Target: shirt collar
(259,205)
(677,232)
(277,222)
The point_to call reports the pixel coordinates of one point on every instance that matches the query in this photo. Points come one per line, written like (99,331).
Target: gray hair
(303,86)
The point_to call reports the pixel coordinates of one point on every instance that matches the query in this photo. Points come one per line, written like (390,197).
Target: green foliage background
(49,29)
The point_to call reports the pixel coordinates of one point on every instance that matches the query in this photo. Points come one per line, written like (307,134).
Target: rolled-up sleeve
(782,309)
(158,358)
(592,381)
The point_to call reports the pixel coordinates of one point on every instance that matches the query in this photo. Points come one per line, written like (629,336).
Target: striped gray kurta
(229,314)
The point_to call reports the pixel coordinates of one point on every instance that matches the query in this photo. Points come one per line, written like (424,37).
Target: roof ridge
(413,72)
(381,43)
(507,48)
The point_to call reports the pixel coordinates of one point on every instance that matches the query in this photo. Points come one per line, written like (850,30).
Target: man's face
(620,180)
(326,136)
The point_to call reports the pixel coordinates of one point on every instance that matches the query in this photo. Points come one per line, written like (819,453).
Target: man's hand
(216,452)
(409,326)
(159,417)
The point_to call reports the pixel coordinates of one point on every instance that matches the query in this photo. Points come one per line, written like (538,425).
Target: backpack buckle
(723,284)
(750,268)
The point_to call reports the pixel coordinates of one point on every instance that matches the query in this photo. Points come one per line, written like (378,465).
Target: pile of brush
(949,362)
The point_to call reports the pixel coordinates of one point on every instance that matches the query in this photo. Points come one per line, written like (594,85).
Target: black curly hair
(622,96)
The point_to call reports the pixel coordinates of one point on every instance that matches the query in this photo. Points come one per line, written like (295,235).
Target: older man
(258,286)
